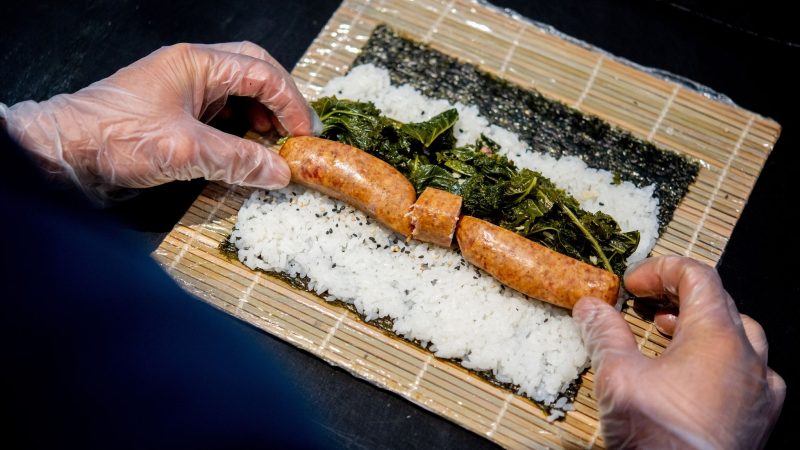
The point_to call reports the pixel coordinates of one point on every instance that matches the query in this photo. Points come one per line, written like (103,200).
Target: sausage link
(434,216)
(532,268)
(353,176)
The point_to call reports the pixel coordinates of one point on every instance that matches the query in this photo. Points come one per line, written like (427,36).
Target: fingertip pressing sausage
(354,176)
(532,268)
(434,216)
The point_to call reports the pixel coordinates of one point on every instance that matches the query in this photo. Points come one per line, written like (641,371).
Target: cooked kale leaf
(491,185)
(439,127)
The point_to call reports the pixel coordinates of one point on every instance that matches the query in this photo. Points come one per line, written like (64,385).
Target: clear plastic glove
(139,127)
(711,388)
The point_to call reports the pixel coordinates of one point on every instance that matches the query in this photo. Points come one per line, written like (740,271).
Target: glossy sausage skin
(353,176)
(531,268)
(434,216)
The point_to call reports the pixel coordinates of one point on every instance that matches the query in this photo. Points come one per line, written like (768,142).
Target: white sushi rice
(431,294)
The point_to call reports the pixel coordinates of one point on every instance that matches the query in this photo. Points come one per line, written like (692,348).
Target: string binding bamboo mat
(731,143)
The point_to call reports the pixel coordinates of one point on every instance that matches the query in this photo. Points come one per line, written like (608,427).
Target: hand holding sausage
(711,388)
(139,127)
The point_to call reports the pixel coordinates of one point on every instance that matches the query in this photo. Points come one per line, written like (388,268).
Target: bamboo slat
(731,143)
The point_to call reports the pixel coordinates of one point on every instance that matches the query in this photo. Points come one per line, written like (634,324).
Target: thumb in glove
(711,387)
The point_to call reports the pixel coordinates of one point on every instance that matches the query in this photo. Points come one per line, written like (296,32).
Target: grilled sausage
(531,268)
(434,216)
(353,176)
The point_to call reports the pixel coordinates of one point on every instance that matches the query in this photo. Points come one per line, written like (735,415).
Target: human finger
(216,155)
(260,117)
(756,335)
(666,320)
(272,86)
(246,48)
(777,387)
(605,333)
(695,286)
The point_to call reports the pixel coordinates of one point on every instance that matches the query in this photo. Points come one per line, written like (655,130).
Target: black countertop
(746,50)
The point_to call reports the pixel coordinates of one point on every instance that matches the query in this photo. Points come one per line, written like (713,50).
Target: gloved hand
(139,127)
(711,388)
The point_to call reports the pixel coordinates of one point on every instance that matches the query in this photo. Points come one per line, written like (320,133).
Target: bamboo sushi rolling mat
(731,143)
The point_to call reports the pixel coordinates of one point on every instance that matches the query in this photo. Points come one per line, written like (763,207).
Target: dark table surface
(746,50)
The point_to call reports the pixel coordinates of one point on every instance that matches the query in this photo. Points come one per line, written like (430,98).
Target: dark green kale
(362,126)
(491,186)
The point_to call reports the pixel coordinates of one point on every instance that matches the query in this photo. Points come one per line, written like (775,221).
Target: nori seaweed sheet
(545,125)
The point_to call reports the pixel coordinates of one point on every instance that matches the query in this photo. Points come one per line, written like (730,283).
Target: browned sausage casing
(434,216)
(531,268)
(353,176)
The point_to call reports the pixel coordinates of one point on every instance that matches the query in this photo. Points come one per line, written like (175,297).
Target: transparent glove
(711,388)
(139,127)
